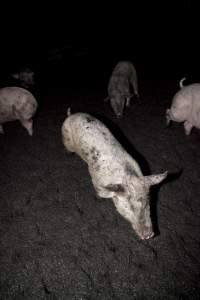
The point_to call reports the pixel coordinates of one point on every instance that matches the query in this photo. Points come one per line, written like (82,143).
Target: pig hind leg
(28,124)
(135,87)
(128,101)
(1,129)
(188,127)
(168,118)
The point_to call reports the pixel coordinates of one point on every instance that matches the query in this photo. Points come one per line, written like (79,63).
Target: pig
(185,107)
(25,78)
(17,103)
(123,76)
(114,173)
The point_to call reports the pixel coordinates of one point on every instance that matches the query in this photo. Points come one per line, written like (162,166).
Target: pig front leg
(128,100)
(188,127)
(168,118)
(28,124)
(1,129)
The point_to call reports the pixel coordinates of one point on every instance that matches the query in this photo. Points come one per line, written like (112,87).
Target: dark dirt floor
(58,241)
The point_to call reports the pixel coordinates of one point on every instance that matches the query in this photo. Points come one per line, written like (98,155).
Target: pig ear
(155,179)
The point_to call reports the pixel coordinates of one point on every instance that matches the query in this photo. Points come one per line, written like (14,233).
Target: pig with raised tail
(17,104)
(122,78)
(114,173)
(185,107)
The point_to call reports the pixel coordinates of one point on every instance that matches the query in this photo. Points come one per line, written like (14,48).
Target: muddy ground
(59,241)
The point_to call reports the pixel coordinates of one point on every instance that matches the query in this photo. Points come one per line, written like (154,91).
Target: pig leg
(168,119)
(135,87)
(128,100)
(106,99)
(1,129)
(188,127)
(28,124)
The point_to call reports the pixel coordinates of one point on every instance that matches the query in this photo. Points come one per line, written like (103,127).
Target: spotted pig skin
(114,173)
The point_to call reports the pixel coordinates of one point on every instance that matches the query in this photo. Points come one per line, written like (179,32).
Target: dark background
(161,38)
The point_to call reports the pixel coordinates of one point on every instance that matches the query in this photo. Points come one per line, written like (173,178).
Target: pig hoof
(187,133)
(148,236)
(30,132)
(1,130)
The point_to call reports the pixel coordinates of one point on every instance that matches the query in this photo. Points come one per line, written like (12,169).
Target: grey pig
(123,76)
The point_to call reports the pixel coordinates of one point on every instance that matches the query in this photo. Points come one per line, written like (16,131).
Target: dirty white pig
(17,104)
(25,77)
(185,107)
(122,78)
(115,174)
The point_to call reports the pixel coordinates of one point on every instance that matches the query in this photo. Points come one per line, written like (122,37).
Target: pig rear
(114,173)
(17,104)
(185,107)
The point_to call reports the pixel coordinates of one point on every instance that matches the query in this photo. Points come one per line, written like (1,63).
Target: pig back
(86,135)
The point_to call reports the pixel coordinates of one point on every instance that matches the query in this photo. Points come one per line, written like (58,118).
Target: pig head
(131,199)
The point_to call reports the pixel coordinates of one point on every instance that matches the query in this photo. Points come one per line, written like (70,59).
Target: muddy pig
(185,107)
(123,76)
(114,173)
(17,104)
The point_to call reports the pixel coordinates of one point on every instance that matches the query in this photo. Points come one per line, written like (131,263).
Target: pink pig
(186,107)
(17,104)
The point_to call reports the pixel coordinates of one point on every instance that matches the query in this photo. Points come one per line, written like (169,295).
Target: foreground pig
(186,107)
(17,104)
(115,174)
(123,76)
(25,77)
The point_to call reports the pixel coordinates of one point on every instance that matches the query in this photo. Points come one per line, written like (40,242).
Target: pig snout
(119,115)
(144,227)
(147,236)
(145,233)
(118,107)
